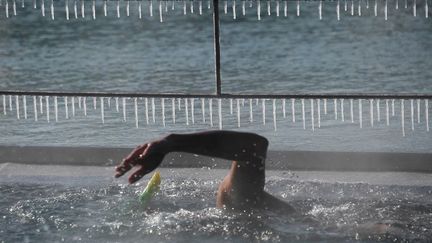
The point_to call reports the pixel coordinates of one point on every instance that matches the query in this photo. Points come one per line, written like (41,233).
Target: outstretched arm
(229,145)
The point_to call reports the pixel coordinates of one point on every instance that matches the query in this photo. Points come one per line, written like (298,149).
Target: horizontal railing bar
(224,95)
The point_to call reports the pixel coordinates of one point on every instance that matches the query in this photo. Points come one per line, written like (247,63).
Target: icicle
(160,11)
(360,113)
(412,114)
(376,8)
(127,8)
(73,106)
(22,4)
(66,107)
(186,110)
(203,110)
(426,9)
(293,109)
(94,9)
(342,110)
(56,108)
(320,9)
(371,112)
(105,7)
(14,7)
(234,9)
(403,117)
(268,8)
(82,9)
(259,9)
(151,8)
(118,8)
(192,101)
(346,5)
(200,7)
(124,108)
(42,9)
(242,102)
(283,108)
(75,8)
(303,113)
(231,106)
(319,112)
(94,103)
(4,105)
(378,110)
(79,102)
(312,114)
(298,8)
(173,110)
(220,113)
(116,103)
(243,8)
(385,10)
(67,9)
(359,8)
(41,104)
(352,110)
(85,106)
(136,112)
(35,108)
(387,113)
(427,114)
(10,103)
(418,110)
(285,8)
(393,107)
(415,8)
(338,10)
(139,10)
(352,7)
(47,108)
(335,109)
(397,4)
(274,114)
(103,109)
(17,104)
(277,8)
(226,7)
(52,10)
(211,111)
(166,6)
(208,4)
(154,109)
(238,112)
(250,111)
(108,102)
(263,111)
(25,106)
(256,102)
(179,104)
(325,106)
(184,8)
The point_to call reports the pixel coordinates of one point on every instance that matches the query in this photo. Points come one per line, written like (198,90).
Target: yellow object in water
(151,188)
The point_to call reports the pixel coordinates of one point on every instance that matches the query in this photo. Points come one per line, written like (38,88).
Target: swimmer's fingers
(148,164)
(130,161)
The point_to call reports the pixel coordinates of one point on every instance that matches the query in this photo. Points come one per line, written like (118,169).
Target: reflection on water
(184,211)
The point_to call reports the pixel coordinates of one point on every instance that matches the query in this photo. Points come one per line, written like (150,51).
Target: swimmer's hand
(148,156)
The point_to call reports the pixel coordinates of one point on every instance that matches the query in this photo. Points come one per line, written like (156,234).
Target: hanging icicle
(360,113)
(319,112)
(303,113)
(153,106)
(66,107)
(312,114)
(124,108)
(238,112)
(186,110)
(173,110)
(259,9)
(293,110)
(371,111)
(211,112)
(146,110)
(274,115)
(263,111)
(387,113)
(102,104)
(25,106)
(192,103)
(250,111)
(352,110)
(403,117)
(203,110)
(35,108)
(220,113)
(136,112)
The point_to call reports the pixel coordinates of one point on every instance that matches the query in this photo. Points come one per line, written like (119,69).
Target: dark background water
(274,55)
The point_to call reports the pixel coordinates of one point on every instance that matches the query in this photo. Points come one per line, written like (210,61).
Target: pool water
(102,209)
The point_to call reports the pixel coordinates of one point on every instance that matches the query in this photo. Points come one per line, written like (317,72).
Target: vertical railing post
(217,46)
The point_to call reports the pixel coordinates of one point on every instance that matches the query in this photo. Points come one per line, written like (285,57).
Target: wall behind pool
(275,55)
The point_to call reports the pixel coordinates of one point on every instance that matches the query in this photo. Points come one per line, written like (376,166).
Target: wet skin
(241,189)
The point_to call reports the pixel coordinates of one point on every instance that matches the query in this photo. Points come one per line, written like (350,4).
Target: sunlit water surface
(83,209)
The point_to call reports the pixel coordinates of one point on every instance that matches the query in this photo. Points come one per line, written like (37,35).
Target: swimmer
(241,189)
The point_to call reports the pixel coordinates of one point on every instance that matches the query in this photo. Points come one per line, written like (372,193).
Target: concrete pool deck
(97,175)
(276,160)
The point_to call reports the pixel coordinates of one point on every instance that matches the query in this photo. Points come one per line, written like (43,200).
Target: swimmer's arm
(229,145)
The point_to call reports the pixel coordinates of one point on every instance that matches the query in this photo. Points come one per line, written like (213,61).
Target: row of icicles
(76,8)
(41,107)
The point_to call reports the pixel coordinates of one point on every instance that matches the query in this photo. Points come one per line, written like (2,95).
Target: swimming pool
(73,203)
